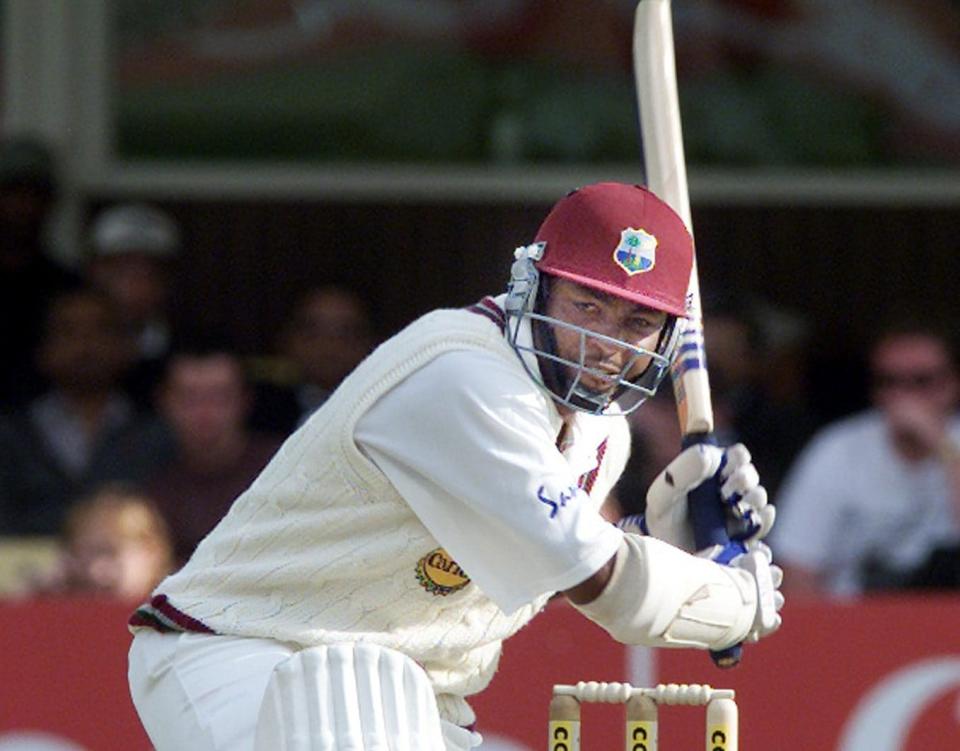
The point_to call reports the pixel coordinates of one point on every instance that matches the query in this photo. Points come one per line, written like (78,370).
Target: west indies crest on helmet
(618,239)
(588,236)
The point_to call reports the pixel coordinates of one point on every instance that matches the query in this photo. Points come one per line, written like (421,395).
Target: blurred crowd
(124,438)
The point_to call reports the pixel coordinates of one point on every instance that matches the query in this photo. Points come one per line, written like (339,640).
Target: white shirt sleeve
(469,444)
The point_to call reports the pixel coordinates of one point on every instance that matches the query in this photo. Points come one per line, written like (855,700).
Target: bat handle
(708,519)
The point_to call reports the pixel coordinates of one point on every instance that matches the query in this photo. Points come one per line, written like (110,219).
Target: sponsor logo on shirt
(557,503)
(439,574)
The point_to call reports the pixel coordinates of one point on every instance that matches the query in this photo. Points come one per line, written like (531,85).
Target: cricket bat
(666,175)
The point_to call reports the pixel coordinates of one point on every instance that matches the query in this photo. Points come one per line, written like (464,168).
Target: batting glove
(757,559)
(666,517)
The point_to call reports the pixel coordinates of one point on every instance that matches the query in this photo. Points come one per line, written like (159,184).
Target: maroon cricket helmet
(619,239)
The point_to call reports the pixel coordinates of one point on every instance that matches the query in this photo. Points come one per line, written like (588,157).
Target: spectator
(132,247)
(83,430)
(29,277)
(205,399)
(873,495)
(113,543)
(326,336)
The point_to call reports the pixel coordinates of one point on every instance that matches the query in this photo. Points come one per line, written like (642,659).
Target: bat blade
(666,174)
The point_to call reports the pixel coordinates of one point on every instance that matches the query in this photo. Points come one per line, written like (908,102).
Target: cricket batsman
(359,591)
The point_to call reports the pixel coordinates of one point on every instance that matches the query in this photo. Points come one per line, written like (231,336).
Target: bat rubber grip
(708,519)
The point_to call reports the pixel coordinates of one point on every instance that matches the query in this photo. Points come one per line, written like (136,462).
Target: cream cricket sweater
(322,549)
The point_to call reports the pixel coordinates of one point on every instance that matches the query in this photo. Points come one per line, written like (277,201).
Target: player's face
(609,316)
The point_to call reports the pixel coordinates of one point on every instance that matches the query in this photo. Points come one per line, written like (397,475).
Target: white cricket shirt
(482,492)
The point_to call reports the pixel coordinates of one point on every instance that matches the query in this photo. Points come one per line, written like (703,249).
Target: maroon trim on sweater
(160,615)
(489,309)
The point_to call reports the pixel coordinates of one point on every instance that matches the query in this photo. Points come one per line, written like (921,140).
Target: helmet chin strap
(555,376)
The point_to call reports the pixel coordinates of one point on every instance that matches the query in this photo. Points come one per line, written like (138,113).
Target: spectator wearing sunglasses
(873,501)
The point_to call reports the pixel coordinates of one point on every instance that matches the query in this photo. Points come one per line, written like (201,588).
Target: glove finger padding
(737,455)
(741,490)
(776,573)
(738,483)
(756,513)
(769,598)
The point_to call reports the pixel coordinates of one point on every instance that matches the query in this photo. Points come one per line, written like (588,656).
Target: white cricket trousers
(198,692)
